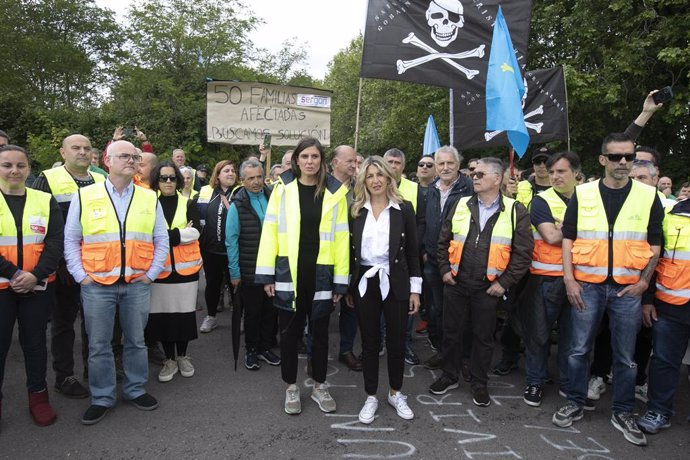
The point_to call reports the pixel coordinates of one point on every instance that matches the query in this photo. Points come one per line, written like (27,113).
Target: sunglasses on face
(167,179)
(617,157)
(424,164)
(471,168)
(479,175)
(539,161)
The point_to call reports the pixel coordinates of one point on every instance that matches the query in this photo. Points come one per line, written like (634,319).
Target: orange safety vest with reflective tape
(547,259)
(186,258)
(628,235)
(673,270)
(110,250)
(501,238)
(35,222)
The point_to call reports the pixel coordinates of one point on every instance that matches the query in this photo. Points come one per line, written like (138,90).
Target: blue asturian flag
(431,141)
(505,89)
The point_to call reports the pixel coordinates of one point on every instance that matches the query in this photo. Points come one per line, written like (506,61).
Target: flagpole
(567,118)
(359,103)
(511,156)
(451,124)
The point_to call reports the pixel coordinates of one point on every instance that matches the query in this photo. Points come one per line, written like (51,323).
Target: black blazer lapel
(396,229)
(357,230)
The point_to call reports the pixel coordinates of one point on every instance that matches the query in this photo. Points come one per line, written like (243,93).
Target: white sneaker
(169,370)
(595,388)
(209,324)
(368,412)
(293,405)
(399,401)
(641,392)
(184,363)
(323,398)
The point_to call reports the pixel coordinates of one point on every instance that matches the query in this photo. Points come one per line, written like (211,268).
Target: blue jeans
(99,303)
(536,361)
(670,340)
(625,318)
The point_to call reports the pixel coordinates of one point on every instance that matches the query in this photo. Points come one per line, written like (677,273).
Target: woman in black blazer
(385,278)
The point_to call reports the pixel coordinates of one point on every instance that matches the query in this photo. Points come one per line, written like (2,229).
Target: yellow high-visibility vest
(673,270)
(409,191)
(62,184)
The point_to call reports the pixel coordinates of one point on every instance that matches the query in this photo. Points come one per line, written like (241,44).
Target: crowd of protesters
(600,266)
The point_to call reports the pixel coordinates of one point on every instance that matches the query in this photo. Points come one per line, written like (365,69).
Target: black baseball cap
(542,152)
(202,167)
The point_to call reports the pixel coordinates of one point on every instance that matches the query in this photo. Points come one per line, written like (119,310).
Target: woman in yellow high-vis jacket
(303,261)
(31,245)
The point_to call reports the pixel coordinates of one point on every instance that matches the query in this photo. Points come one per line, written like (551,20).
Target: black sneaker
(144,402)
(411,357)
(71,388)
(504,367)
(533,395)
(269,357)
(567,414)
(443,384)
(480,397)
(94,414)
(589,405)
(627,424)
(435,362)
(251,361)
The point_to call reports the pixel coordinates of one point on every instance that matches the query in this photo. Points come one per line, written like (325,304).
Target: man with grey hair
(442,195)
(180,159)
(242,234)
(499,256)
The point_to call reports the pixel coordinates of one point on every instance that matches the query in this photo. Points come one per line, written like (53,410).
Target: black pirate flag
(439,42)
(544,108)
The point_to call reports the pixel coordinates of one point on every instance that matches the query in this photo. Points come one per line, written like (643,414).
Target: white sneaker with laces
(169,370)
(323,398)
(368,412)
(595,388)
(209,324)
(184,363)
(399,402)
(293,405)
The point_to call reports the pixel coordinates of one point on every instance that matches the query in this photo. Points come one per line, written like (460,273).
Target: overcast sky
(325,26)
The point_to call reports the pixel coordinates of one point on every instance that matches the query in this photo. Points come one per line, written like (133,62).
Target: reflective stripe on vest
(110,251)
(673,270)
(631,251)
(62,184)
(279,246)
(409,191)
(186,257)
(34,229)
(547,259)
(501,238)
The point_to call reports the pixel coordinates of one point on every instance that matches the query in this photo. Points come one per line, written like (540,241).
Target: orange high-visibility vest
(186,258)
(673,270)
(111,251)
(547,259)
(501,238)
(631,251)
(35,222)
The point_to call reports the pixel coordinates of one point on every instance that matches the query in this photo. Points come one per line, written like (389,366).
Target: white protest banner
(242,113)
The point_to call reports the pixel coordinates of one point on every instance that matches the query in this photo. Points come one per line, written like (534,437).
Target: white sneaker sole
(318,403)
(566,424)
(187,374)
(167,378)
(402,415)
(628,437)
(366,421)
(531,403)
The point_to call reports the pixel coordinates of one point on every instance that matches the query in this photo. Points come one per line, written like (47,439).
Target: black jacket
(250,233)
(434,215)
(404,255)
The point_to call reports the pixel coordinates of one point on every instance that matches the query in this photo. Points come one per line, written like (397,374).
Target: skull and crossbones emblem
(445,18)
(529,125)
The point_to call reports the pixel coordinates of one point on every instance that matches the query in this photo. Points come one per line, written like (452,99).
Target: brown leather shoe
(351,361)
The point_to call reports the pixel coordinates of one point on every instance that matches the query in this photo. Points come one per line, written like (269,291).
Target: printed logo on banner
(312,100)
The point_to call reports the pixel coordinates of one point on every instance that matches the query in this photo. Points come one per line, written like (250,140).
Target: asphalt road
(220,413)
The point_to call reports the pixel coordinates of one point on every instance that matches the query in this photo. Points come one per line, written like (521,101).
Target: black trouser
(31,312)
(603,354)
(369,309)
(169,348)
(510,343)
(463,304)
(215,268)
(64,312)
(291,329)
(259,317)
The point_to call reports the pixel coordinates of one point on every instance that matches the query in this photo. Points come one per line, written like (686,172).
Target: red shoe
(421,327)
(41,410)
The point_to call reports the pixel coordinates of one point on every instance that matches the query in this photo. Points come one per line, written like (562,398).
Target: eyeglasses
(128,156)
(539,161)
(167,179)
(479,175)
(424,164)
(471,168)
(617,157)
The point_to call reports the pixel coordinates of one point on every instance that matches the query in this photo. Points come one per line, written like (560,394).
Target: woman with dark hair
(303,263)
(386,278)
(172,319)
(213,202)
(31,246)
